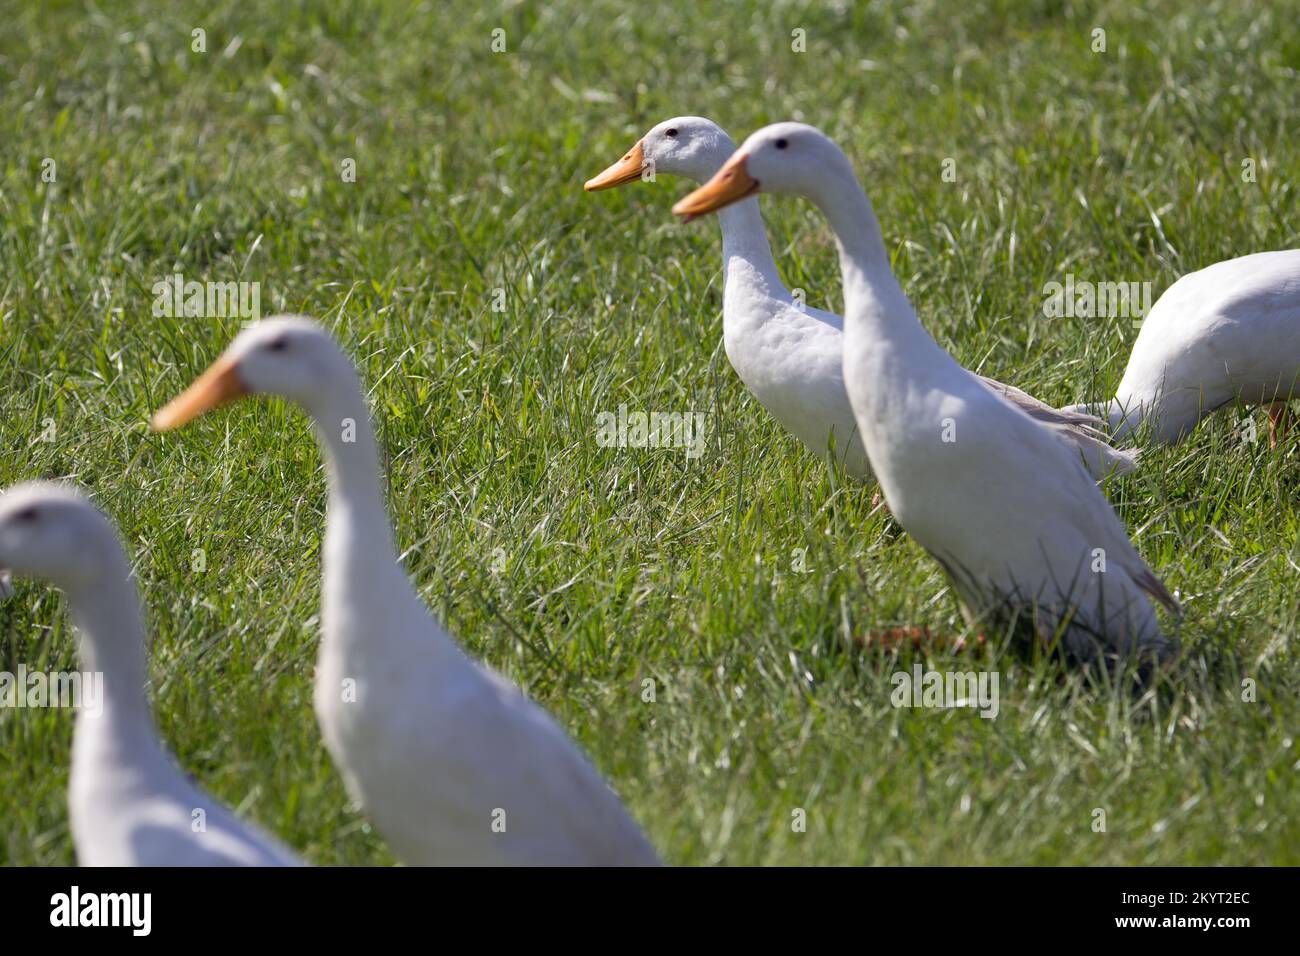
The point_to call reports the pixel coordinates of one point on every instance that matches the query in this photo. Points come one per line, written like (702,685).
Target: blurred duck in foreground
(787,353)
(452,763)
(128,804)
(1004,506)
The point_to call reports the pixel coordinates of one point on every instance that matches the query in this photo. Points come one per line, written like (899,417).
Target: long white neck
(746,255)
(360,564)
(875,306)
(111,634)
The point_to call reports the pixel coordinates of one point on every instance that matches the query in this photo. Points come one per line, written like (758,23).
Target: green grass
(624,565)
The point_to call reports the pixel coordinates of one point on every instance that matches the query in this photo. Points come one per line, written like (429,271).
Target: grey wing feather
(1146,579)
(1083,429)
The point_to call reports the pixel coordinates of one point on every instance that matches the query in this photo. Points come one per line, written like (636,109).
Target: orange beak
(624,171)
(217,386)
(731,183)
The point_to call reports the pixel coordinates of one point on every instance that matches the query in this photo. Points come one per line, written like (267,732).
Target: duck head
(51,532)
(791,158)
(689,146)
(288,356)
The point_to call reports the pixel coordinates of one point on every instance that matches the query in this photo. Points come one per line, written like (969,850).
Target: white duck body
(1227,334)
(128,804)
(995,496)
(787,353)
(436,748)
(452,763)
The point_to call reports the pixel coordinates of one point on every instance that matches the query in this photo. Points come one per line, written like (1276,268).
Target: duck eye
(277,344)
(670,132)
(27,514)
(782,143)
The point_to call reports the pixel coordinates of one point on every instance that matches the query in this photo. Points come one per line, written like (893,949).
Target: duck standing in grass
(1228,334)
(127,802)
(452,763)
(787,353)
(1004,506)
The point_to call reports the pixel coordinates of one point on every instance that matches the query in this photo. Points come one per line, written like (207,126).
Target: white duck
(1004,506)
(127,803)
(452,763)
(787,353)
(1228,334)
